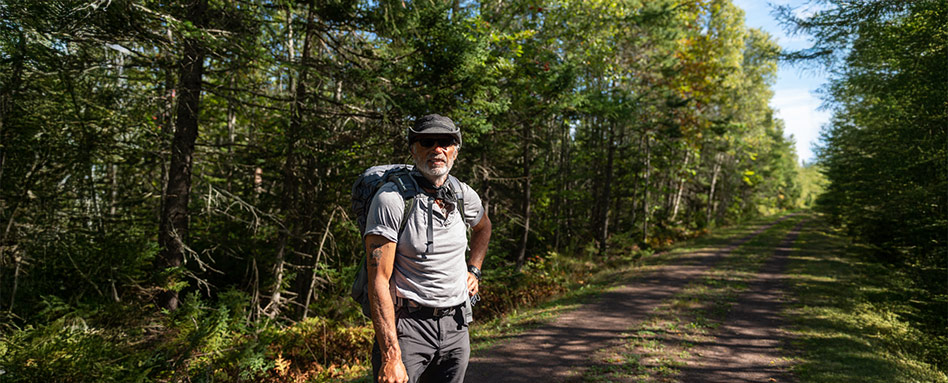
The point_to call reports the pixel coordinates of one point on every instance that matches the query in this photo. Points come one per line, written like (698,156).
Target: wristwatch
(474,270)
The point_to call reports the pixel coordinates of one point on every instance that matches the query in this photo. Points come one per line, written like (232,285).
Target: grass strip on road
(595,276)
(657,348)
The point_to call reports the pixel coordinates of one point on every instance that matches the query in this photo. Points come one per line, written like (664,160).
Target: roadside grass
(655,349)
(849,315)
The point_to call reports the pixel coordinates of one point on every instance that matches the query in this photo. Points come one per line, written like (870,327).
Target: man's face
(434,155)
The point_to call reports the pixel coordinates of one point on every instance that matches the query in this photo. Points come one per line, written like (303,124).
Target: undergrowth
(217,341)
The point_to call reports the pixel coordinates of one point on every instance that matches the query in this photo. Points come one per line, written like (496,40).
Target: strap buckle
(443,311)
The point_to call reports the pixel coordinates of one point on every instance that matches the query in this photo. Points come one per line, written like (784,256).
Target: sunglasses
(442,142)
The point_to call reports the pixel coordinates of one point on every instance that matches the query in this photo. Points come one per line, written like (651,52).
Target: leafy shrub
(65,350)
(542,277)
(319,348)
(209,344)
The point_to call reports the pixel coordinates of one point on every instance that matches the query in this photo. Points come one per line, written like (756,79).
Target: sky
(795,93)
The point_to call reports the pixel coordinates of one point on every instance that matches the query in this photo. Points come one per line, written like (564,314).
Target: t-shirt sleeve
(473,208)
(385,213)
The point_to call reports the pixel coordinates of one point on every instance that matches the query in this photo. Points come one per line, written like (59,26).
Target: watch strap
(474,270)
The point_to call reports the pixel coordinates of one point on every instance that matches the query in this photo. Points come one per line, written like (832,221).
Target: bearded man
(421,286)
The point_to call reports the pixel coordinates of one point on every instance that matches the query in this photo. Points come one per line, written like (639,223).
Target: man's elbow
(379,280)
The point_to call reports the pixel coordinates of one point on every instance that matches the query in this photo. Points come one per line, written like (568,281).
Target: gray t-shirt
(438,278)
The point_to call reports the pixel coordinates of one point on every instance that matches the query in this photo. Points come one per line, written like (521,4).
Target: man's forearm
(480,238)
(380,263)
(383,320)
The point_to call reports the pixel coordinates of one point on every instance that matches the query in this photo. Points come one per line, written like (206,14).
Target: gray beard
(434,175)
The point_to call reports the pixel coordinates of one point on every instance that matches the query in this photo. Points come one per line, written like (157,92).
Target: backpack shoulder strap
(408,188)
(455,185)
(409,203)
(405,182)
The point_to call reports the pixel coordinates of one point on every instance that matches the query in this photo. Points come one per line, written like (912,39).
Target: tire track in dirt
(748,347)
(560,350)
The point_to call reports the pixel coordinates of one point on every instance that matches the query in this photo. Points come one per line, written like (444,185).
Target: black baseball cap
(433,124)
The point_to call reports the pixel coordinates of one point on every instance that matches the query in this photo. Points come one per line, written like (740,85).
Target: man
(420,286)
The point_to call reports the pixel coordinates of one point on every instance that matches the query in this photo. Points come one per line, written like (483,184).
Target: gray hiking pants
(434,349)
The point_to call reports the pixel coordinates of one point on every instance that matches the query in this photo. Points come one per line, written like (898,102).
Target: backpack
(363,191)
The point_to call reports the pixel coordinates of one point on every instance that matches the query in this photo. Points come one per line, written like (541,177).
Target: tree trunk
(646,187)
(485,187)
(681,187)
(598,185)
(618,203)
(230,166)
(166,126)
(633,205)
(527,206)
(716,168)
(290,178)
(621,187)
(173,229)
(607,191)
(7,94)
(16,279)
(562,185)
(312,280)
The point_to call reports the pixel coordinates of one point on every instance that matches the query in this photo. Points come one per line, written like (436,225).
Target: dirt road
(746,349)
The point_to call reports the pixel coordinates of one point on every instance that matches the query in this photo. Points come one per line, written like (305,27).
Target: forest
(175,176)
(885,151)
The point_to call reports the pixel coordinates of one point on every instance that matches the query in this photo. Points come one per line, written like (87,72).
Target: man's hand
(472,284)
(393,371)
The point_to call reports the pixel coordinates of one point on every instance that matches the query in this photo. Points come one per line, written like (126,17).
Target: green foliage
(812,184)
(317,346)
(64,350)
(540,279)
(198,342)
(215,343)
(618,124)
(883,152)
